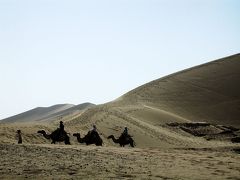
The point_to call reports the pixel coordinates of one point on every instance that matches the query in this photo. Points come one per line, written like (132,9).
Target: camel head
(76,134)
(111,136)
(80,140)
(41,132)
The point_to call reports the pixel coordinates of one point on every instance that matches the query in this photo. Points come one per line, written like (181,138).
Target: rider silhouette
(125,133)
(61,129)
(94,130)
(61,126)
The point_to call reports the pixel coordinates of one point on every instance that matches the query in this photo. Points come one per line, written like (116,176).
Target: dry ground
(172,154)
(90,162)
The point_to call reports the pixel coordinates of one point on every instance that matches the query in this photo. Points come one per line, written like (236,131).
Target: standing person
(19,136)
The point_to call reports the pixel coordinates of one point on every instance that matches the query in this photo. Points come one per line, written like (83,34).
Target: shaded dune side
(68,114)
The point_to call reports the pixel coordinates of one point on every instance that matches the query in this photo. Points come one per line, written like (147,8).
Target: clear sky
(75,51)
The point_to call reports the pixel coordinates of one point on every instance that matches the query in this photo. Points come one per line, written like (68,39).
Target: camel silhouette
(56,136)
(123,140)
(90,138)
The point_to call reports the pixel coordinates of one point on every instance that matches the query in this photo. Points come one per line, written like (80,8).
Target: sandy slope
(209,92)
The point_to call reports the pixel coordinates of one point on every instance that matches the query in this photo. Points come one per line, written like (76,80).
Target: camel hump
(125,136)
(59,133)
(58,130)
(95,133)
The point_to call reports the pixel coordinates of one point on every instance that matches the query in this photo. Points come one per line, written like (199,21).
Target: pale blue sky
(55,51)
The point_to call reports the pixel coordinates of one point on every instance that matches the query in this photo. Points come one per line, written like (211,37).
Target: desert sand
(185,125)
(91,162)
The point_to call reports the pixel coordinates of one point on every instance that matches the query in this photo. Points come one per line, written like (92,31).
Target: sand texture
(90,162)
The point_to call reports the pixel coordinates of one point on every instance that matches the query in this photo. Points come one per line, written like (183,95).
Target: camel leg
(67,141)
(132,143)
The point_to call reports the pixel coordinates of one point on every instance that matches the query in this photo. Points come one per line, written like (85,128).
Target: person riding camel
(125,133)
(93,131)
(94,128)
(61,126)
(61,129)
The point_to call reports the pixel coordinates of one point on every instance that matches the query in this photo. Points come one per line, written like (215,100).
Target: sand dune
(208,93)
(52,113)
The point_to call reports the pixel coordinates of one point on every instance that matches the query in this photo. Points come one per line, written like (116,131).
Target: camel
(122,141)
(90,138)
(56,136)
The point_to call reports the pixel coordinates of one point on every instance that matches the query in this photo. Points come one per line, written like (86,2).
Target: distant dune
(51,113)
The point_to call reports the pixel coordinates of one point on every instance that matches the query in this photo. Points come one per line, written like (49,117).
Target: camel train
(92,137)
